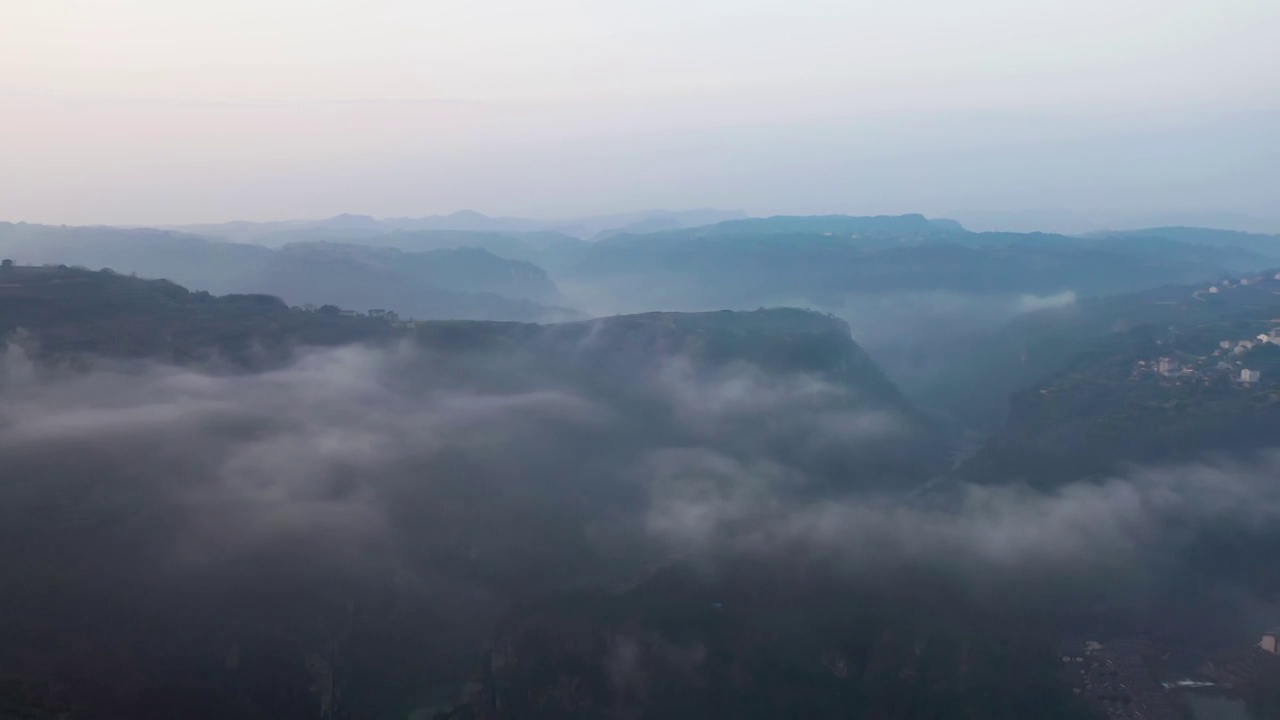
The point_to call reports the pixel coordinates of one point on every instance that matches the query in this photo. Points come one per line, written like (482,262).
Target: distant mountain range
(906,284)
(351,227)
(1264,244)
(1074,221)
(458,283)
(819,254)
(692,260)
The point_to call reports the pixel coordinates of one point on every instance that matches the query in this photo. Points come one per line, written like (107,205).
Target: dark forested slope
(1170,374)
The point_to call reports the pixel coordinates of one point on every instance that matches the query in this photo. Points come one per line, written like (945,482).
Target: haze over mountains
(662,360)
(352,226)
(1081,222)
(905,283)
(653,466)
(459,282)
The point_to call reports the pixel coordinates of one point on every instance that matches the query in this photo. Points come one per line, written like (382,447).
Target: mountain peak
(352,221)
(467,215)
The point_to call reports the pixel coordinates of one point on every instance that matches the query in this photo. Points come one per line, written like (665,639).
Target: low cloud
(1032,303)
(421,497)
(357,458)
(1120,539)
(345,445)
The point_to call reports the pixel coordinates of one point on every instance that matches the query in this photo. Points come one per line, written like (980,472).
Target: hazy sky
(165,111)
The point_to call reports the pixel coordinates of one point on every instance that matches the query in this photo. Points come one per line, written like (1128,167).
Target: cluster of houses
(1243,282)
(1229,355)
(1240,347)
(1116,680)
(1271,641)
(1173,368)
(373,312)
(1242,667)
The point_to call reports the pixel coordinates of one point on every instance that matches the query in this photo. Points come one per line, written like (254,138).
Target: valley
(663,460)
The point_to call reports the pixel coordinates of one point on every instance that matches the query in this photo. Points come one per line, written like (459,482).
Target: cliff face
(687,377)
(776,341)
(444,472)
(784,382)
(683,644)
(88,311)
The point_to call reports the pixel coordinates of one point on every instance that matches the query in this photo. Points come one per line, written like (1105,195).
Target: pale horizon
(169,113)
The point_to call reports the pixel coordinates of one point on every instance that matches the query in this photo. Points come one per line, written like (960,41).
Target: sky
(1090,111)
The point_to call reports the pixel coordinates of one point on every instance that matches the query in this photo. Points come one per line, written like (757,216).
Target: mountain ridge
(429,284)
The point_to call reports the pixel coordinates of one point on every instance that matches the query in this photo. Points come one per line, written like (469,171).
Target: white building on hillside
(1271,642)
(1249,376)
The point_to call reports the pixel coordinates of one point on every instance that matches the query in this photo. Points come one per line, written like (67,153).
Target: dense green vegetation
(985,368)
(71,313)
(1101,399)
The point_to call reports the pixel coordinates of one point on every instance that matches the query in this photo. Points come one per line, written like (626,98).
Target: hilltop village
(1240,356)
(1229,361)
